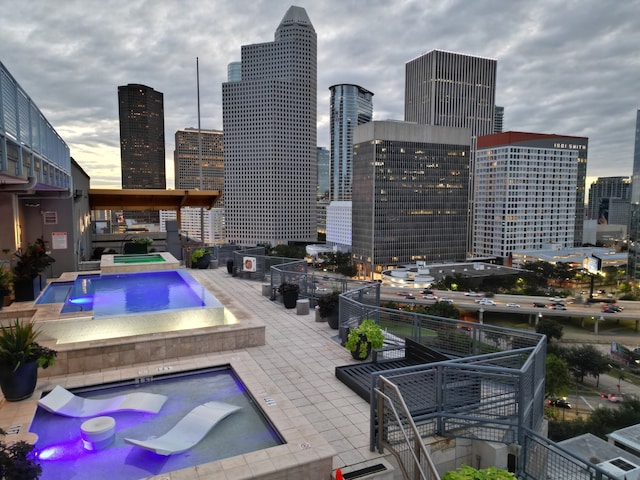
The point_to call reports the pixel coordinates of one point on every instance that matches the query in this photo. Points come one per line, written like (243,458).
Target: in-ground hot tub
(138,262)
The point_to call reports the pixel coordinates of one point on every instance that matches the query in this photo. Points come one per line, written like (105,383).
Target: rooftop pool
(60,450)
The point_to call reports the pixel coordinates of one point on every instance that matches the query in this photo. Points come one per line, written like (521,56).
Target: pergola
(149,199)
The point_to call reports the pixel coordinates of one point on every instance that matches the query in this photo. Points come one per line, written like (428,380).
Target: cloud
(567,67)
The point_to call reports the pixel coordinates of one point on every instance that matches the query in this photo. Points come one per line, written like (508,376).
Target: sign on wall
(249,264)
(59,240)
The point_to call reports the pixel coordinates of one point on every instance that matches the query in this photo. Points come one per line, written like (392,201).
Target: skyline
(567,68)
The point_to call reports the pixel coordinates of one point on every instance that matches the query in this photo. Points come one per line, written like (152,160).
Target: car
(615,398)
(403,294)
(617,308)
(486,301)
(513,305)
(608,310)
(559,402)
(430,296)
(557,306)
(409,297)
(539,305)
(473,294)
(557,299)
(427,292)
(446,300)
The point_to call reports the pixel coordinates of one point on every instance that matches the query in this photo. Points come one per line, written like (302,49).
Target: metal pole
(200,150)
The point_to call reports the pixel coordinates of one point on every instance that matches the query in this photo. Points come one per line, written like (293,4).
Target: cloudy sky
(564,66)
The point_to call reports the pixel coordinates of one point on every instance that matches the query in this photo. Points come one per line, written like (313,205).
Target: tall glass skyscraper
(270,137)
(351,105)
(633,266)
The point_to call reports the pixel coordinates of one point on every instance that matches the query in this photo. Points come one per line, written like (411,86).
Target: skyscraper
(633,266)
(351,105)
(269,123)
(451,89)
(498,120)
(410,201)
(601,194)
(525,192)
(141,112)
(189,151)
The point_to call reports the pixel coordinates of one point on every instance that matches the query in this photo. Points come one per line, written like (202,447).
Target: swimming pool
(60,451)
(128,293)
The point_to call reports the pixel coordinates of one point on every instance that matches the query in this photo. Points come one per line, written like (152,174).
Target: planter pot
(229,266)
(27,290)
(334,320)
(204,261)
(19,385)
(289,299)
(362,341)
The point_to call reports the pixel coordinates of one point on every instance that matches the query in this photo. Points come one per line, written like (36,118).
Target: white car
(513,305)
(473,294)
(430,296)
(446,300)
(486,301)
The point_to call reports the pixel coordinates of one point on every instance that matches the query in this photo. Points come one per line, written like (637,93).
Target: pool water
(128,293)
(60,451)
(149,258)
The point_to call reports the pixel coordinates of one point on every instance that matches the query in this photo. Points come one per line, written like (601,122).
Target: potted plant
(20,358)
(329,308)
(5,284)
(29,278)
(200,258)
(17,461)
(289,292)
(362,339)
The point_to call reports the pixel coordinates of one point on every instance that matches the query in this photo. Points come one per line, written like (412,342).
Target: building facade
(525,186)
(142,148)
(350,106)
(198,160)
(270,131)
(451,89)
(322,196)
(498,120)
(633,266)
(607,197)
(410,194)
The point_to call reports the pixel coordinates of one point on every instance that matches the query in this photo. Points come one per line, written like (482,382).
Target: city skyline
(562,68)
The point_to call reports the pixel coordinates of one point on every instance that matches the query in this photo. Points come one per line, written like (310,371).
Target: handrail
(417,452)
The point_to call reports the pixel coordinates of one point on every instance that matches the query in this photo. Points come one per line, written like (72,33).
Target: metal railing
(400,436)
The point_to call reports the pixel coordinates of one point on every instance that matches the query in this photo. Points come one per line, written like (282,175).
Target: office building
(198,160)
(410,194)
(350,106)
(142,151)
(525,186)
(498,120)
(607,199)
(633,268)
(451,89)
(270,124)
(322,196)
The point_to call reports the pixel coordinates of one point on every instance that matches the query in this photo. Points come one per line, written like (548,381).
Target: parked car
(559,402)
(539,305)
(513,305)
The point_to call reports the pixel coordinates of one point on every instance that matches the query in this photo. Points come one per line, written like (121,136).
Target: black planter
(362,341)
(289,299)
(204,261)
(334,319)
(19,385)
(229,266)
(28,290)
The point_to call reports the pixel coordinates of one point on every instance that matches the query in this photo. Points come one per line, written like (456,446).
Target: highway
(631,309)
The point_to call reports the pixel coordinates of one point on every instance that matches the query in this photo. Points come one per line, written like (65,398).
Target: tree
(551,328)
(443,309)
(558,377)
(585,360)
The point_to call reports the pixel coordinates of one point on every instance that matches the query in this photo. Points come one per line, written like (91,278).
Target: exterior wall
(524,199)
(603,189)
(451,89)
(410,194)
(270,130)
(339,225)
(322,196)
(633,268)
(187,154)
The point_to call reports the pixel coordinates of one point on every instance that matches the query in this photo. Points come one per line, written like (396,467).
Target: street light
(538,318)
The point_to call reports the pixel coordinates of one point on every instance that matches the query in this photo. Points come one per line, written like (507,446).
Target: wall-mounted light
(32,204)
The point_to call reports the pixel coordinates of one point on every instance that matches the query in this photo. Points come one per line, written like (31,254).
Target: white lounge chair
(189,431)
(63,402)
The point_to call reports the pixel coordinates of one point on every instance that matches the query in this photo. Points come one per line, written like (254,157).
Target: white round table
(98,432)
